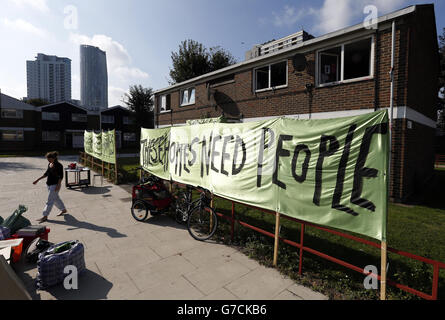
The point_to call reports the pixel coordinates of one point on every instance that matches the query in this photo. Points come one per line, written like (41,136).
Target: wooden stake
(115,155)
(277,235)
(383,271)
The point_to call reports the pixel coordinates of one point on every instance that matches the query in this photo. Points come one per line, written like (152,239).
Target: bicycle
(201,219)
(149,196)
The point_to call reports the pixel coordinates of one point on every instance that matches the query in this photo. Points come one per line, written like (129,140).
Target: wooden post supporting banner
(232,222)
(102,134)
(383,271)
(115,155)
(300,266)
(108,171)
(277,236)
(211,216)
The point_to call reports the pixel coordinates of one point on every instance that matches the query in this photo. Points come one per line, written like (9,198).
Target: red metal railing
(440,160)
(437,265)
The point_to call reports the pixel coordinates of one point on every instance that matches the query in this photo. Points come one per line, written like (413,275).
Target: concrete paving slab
(287,295)
(220,294)
(306,293)
(211,253)
(126,259)
(212,276)
(260,284)
(178,289)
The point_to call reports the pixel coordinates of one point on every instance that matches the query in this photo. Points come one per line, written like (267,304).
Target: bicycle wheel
(139,210)
(202,223)
(181,208)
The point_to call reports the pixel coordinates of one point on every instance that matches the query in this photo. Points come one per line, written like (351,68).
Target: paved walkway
(131,260)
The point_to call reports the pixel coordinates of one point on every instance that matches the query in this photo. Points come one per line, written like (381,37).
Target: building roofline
(62,102)
(115,107)
(18,103)
(388,17)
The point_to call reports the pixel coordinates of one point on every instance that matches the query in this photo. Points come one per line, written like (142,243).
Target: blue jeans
(53,199)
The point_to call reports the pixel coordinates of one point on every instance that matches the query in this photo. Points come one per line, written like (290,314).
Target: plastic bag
(5,233)
(51,265)
(15,221)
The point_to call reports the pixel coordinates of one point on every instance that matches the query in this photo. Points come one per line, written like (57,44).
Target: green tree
(193,60)
(220,58)
(36,102)
(140,101)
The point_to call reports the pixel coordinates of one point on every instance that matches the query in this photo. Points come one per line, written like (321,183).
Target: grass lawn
(417,229)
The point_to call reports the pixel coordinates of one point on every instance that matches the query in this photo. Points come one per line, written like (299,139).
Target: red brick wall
(414,76)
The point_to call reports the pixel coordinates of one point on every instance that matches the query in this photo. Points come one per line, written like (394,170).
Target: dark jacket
(54,174)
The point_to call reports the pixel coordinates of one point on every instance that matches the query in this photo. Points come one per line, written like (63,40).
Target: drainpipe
(383,252)
(391,103)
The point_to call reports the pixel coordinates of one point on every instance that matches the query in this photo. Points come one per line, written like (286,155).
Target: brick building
(342,73)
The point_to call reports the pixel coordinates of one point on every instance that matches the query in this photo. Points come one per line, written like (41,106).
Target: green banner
(328,172)
(108,146)
(97,145)
(206,120)
(154,151)
(101,145)
(88,142)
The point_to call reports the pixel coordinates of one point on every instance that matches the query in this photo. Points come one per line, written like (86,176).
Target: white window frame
(270,77)
(46,139)
(342,72)
(47,116)
(108,122)
(163,104)
(17,134)
(18,113)
(181,94)
(84,117)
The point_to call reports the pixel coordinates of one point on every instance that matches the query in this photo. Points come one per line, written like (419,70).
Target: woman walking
(54,175)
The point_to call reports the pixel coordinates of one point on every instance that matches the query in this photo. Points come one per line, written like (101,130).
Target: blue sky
(139,35)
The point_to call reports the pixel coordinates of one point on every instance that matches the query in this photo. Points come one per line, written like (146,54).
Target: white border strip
(398,113)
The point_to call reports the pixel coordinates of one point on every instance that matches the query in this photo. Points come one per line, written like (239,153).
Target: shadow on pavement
(163,220)
(76,224)
(91,286)
(14,166)
(92,190)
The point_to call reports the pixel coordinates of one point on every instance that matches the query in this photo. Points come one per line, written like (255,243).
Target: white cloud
(24,26)
(40,5)
(17,91)
(134,73)
(337,14)
(115,96)
(333,14)
(290,16)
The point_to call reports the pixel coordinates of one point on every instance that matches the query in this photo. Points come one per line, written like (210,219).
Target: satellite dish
(299,61)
